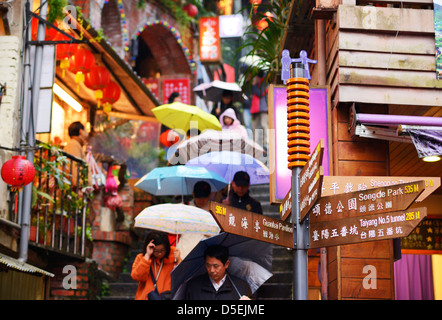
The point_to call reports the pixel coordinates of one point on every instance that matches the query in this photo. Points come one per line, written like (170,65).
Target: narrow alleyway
(278,287)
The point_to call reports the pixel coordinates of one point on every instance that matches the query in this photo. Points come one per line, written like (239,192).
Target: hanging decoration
(50,33)
(111,94)
(191,10)
(97,79)
(64,51)
(18,172)
(81,63)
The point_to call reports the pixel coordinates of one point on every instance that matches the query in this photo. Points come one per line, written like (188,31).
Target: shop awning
(135,99)
(24,267)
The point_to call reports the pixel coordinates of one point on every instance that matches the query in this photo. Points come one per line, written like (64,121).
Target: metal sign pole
(296,75)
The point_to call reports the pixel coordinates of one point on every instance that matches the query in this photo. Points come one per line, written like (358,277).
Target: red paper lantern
(191,10)
(111,94)
(50,33)
(18,172)
(64,51)
(81,63)
(97,79)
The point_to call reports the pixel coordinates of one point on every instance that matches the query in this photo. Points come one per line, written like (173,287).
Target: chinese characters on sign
(252,225)
(365,215)
(210,45)
(182,86)
(366,228)
(310,180)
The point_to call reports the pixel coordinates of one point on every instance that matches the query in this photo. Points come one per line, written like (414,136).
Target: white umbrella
(177,218)
(212,140)
(212,91)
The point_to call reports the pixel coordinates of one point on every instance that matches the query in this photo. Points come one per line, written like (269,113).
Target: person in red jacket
(157,255)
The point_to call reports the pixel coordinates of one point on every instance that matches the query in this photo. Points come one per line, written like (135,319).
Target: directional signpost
(373,214)
(252,225)
(310,183)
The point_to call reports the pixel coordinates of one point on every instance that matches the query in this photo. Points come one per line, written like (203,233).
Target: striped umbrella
(212,140)
(177,218)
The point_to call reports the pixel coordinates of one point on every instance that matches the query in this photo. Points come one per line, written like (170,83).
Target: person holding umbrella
(152,267)
(225,103)
(240,197)
(217,284)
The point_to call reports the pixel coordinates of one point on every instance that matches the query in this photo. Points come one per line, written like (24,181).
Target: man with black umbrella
(217,284)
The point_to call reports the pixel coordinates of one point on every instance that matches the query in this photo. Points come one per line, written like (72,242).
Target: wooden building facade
(376,57)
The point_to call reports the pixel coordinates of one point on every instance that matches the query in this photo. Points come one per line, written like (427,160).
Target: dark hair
(158,238)
(217,251)
(202,189)
(172,96)
(74,129)
(227,93)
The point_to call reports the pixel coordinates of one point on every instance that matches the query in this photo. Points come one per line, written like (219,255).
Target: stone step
(123,289)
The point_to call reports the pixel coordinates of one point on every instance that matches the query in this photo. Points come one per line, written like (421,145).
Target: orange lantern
(64,51)
(81,63)
(111,94)
(97,79)
(18,172)
(50,33)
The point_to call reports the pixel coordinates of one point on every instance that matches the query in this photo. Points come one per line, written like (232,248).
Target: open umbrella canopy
(182,117)
(212,140)
(178,180)
(213,91)
(227,163)
(177,218)
(250,260)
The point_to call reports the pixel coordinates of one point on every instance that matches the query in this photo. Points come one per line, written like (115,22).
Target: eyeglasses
(159,250)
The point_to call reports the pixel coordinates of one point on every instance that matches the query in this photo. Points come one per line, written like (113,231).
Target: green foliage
(180,15)
(56,9)
(265,45)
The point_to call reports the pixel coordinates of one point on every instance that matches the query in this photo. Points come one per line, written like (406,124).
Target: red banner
(210,45)
(182,86)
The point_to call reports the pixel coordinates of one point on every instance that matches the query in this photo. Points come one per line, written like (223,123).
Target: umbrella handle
(231,281)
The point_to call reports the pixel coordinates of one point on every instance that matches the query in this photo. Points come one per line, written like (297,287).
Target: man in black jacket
(240,197)
(217,284)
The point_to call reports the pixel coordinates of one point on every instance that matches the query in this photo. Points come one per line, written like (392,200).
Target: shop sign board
(182,86)
(252,225)
(210,44)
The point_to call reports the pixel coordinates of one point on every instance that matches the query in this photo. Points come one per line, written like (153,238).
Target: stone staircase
(279,286)
(124,288)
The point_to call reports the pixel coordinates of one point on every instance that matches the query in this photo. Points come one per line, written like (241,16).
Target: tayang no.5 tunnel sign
(374,214)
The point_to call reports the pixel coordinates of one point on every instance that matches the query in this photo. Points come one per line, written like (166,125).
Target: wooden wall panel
(385,55)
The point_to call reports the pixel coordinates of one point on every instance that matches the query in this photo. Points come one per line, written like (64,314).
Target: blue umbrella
(227,163)
(178,180)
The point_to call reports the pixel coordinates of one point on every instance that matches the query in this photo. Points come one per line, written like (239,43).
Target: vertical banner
(210,44)
(438,36)
(280,177)
(182,86)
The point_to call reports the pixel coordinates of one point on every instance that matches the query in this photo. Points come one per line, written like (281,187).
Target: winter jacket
(245,203)
(201,288)
(141,273)
(235,126)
